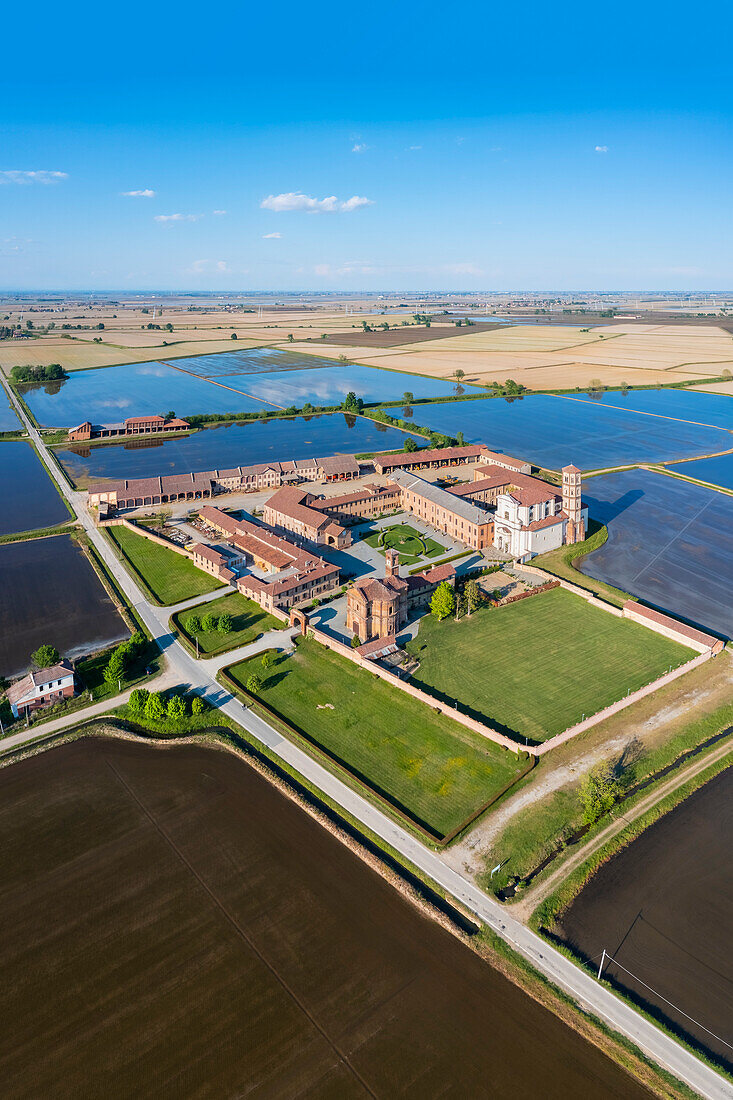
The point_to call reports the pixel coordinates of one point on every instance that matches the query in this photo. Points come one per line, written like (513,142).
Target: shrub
(225,623)
(138,700)
(198,705)
(45,656)
(208,622)
(193,624)
(155,706)
(176,707)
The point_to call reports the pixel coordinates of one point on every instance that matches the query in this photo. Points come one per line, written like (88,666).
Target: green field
(411,544)
(248,622)
(535,667)
(437,771)
(170,577)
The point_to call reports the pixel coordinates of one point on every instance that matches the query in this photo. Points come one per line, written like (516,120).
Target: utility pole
(603,960)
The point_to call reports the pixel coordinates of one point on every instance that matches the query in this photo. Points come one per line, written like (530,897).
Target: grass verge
(566,560)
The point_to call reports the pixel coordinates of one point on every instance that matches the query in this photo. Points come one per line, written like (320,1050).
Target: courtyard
(535,667)
(411,545)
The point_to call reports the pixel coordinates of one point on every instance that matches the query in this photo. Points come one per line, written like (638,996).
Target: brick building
(133,425)
(379,608)
(289,510)
(459,519)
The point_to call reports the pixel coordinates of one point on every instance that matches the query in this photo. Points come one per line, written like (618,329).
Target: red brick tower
(392,562)
(572,503)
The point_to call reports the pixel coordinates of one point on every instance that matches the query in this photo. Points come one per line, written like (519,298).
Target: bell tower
(572,503)
(392,561)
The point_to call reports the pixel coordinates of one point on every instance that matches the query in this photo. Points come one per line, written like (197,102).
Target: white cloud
(15,175)
(296,200)
(205,267)
(462,269)
(413,148)
(359,147)
(145,194)
(220,213)
(178,217)
(271,236)
(601,148)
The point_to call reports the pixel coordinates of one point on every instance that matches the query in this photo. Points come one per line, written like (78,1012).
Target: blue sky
(426,148)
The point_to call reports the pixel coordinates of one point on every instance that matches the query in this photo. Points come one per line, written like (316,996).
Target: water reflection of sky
(110,394)
(235,445)
(668,542)
(703,408)
(718,471)
(29,496)
(8,420)
(329,385)
(554,431)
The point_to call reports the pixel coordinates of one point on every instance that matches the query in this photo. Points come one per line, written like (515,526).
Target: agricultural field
(412,546)
(170,577)
(535,667)
(249,621)
(439,773)
(560,357)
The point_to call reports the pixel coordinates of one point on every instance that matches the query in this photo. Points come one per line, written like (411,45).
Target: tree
(459,374)
(268,659)
(176,707)
(170,415)
(443,601)
(343,359)
(355,642)
(254,685)
(45,656)
(290,337)
(473,596)
(115,669)
(234,336)
(138,700)
(155,706)
(198,706)
(193,624)
(351,401)
(169,327)
(408,397)
(208,622)
(410,444)
(598,792)
(225,623)
(460,439)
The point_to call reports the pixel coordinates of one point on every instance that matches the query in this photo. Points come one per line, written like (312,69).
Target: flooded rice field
(234,445)
(714,409)
(553,431)
(50,593)
(718,471)
(109,394)
(8,419)
(663,907)
(669,542)
(172,925)
(29,496)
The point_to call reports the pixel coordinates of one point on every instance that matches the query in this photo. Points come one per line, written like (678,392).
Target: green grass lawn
(536,666)
(408,541)
(436,770)
(248,621)
(170,577)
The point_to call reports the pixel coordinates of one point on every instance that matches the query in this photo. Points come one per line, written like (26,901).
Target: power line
(671,1004)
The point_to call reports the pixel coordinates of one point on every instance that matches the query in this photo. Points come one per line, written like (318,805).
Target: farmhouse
(41,689)
(139,492)
(429,459)
(289,510)
(373,500)
(378,608)
(291,575)
(133,425)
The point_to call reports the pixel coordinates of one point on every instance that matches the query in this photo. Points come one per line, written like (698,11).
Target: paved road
(592,996)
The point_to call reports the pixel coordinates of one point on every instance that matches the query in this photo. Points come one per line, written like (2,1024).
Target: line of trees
(158,707)
(209,623)
(50,373)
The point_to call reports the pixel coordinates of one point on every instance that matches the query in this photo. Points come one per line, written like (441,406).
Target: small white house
(41,689)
